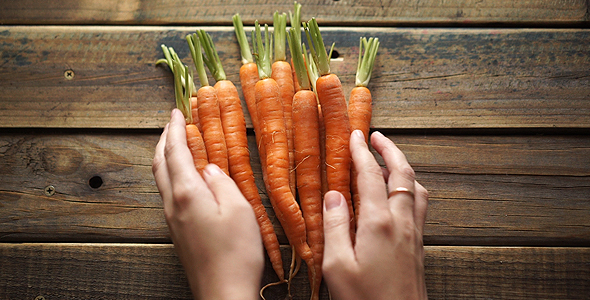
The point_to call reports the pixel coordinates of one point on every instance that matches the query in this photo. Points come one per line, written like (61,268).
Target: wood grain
(484,190)
(147,271)
(423,79)
(363,12)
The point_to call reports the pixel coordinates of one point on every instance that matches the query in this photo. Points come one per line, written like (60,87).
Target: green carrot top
(182,88)
(298,59)
(316,47)
(295,19)
(263,53)
(366,61)
(211,57)
(280,35)
(242,40)
(194,44)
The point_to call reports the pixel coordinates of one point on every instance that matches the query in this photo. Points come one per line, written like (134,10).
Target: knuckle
(382,224)
(408,230)
(335,221)
(407,172)
(422,193)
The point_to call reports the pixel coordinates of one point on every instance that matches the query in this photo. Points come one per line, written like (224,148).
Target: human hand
(213,227)
(387,260)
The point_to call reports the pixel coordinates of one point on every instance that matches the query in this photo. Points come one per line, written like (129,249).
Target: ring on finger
(400,190)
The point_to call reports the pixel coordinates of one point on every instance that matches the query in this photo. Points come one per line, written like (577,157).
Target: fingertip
(212,170)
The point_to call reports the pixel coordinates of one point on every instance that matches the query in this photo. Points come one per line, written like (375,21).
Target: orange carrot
(208,111)
(337,125)
(234,128)
(248,78)
(306,137)
(196,145)
(183,92)
(274,135)
(360,103)
(283,75)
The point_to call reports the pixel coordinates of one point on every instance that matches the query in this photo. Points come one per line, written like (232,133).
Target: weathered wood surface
(144,271)
(333,12)
(423,78)
(485,190)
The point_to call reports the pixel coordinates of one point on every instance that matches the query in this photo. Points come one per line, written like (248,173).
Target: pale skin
(218,240)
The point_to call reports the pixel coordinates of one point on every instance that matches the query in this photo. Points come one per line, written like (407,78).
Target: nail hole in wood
(95,182)
(335,54)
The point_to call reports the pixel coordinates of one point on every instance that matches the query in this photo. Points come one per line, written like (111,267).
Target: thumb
(338,245)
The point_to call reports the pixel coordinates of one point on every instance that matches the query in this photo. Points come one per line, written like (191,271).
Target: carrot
(282,73)
(306,137)
(337,125)
(208,110)
(234,129)
(248,78)
(274,136)
(360,101)
(182,92)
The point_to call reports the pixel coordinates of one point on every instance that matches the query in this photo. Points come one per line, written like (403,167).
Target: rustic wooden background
(489,99)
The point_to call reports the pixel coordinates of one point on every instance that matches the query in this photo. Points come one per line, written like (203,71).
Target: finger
(420,206)
(337,243)
(225,190)
(186,183)
(160,170)
(371,186)
(401,175)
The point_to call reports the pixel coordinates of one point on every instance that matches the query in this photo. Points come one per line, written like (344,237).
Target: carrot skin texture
(248,79)
(282,73)
(270,115)
(196,145)
(360,111)
(337,126)
(308,161)
(209,118)
(195,113)
(234,129)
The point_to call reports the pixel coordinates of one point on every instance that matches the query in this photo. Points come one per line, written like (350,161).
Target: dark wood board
(517,190)
(148,271)
(333,12)
(423,78)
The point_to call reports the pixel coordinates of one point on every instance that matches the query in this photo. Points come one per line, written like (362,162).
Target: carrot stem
(316,46)
(263,54)
(298,61)
(366,60)
(242,40)
(280,39)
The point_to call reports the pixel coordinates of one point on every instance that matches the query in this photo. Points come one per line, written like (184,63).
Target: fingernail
(332,200)
(213,170)
(358,133)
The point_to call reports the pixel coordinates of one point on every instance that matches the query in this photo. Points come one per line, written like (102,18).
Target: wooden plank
(145,271)
(423,78)
(365,12)
(509,190)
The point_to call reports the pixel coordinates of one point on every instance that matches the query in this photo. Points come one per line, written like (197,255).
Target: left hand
(212,225)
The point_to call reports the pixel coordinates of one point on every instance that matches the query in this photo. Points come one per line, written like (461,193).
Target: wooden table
(490,101)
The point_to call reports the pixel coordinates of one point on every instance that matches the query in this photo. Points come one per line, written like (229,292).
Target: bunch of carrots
(302,124)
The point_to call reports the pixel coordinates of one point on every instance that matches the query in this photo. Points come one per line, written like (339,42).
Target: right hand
(387,260)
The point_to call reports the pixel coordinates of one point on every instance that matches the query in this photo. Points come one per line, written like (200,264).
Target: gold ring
(400,190)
